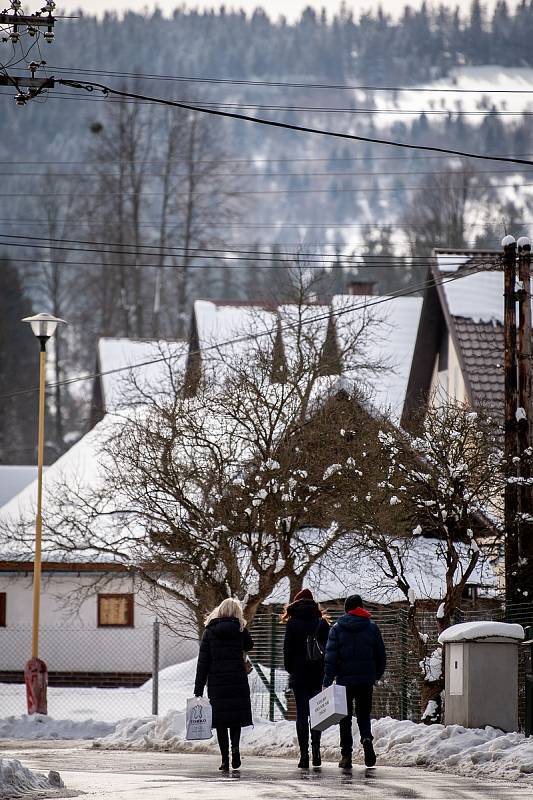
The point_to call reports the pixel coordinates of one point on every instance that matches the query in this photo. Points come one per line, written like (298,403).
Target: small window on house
(115,611)
(470,592)
(443,354)
(2,609)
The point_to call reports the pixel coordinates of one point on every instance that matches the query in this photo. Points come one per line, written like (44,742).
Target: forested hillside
(136,209)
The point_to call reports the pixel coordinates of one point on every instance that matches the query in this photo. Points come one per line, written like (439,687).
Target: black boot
(302,732)
(345,762)
(235,736)
(315,748)
(223,743)
(370,755)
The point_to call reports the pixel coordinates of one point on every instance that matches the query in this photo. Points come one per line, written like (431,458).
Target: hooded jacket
(221,667)
(355,652)
(305,619)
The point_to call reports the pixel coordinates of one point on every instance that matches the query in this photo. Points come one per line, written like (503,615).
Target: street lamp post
(35,672)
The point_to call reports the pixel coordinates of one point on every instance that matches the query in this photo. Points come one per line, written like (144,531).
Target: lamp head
(44,326)
(524,243)
(508,241)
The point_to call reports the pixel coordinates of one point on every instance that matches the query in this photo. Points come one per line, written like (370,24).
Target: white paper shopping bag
(328,707)
(198,719)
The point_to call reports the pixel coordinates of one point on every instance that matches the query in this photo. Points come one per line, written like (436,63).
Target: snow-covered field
(86,713)
(17,781)
(467,89)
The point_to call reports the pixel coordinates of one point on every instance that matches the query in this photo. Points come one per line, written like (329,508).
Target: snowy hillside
(472,90)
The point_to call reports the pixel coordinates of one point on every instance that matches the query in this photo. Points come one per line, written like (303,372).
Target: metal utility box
(481,674)
(528,670)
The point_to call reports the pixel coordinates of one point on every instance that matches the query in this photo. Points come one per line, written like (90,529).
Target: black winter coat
(305,620)
(355,653)
(221,666)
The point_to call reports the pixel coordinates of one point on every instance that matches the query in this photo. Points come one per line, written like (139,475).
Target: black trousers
(302,695)
(224,740)
(361,697)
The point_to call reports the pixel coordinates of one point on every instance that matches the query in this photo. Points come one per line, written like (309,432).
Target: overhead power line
(289,84)
(252,160)
(329,190)
(458,112)
(172,250)
(262,224)
(261,334)
(268,175)
(107,90)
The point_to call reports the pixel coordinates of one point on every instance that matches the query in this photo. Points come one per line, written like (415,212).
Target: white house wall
(70,640)
(448,384)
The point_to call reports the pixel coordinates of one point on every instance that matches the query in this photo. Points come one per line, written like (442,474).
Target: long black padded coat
(305,619)
(221,667)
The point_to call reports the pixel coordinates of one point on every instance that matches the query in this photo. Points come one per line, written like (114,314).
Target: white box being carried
(328,707)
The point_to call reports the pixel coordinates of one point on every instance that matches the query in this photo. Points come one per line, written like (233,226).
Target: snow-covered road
(112,775)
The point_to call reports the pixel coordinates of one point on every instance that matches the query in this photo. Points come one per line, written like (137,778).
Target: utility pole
(524,423)
(17,26)
(510,424)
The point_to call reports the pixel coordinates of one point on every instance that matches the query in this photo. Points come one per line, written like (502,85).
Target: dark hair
(353,601)
(286,613)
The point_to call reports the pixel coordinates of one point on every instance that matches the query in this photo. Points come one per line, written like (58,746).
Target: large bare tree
(433,519)
(244,485)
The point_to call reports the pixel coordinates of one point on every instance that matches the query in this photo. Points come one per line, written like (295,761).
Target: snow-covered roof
(147,360)
(475,295)
(389,338)
(218,323)
(451,262)
(390,341)
(82,467)
(471,631)
(363,574)
(13,479)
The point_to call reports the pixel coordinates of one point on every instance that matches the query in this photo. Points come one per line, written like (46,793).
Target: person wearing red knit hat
(306,635)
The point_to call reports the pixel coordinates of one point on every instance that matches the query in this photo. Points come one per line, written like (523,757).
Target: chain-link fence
(398,694)
(108,675)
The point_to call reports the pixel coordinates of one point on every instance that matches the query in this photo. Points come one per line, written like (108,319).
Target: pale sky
(290,8)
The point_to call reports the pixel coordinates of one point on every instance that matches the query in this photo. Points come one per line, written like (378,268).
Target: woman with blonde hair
(222,666)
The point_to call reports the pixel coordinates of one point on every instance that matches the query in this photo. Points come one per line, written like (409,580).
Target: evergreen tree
(18,371)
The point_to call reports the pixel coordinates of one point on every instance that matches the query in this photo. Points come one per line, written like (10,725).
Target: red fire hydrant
(36,679)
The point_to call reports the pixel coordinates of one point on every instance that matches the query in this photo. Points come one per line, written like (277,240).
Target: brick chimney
(361,287)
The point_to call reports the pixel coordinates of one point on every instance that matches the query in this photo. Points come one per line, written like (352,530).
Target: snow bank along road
(114,775)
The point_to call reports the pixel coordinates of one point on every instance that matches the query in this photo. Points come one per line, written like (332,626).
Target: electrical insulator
(49,36)
(20,99)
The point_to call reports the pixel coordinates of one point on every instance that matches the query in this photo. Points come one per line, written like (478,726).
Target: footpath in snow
(471,752)
(17,781)
(487,752)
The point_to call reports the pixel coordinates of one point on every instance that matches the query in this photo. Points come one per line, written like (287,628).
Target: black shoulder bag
(314,649)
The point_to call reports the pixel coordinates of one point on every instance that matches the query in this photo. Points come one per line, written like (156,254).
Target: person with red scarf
(355,658)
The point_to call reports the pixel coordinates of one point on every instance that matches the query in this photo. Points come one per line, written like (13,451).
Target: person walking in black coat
(355,658)
(222,666)
(306,635)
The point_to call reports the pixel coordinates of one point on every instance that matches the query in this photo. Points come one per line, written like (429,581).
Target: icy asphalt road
(116,775)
